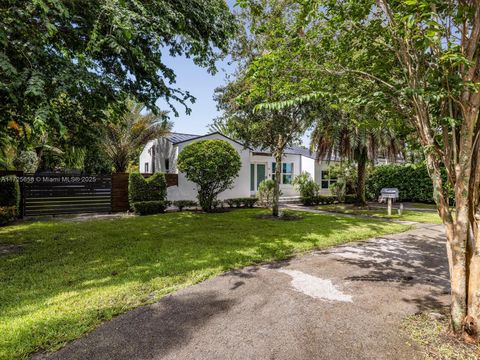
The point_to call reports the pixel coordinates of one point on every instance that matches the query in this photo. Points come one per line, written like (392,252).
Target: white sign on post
(389,194)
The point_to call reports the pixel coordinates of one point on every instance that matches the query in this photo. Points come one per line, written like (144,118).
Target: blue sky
(201,85)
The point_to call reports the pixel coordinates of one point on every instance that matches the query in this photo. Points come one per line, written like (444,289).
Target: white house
(161,155)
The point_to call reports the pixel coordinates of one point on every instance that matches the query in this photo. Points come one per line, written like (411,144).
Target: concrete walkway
(342,303)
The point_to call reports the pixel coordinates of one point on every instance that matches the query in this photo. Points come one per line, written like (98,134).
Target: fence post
(120,192)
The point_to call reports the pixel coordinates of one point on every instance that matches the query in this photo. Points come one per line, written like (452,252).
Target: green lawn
(408,215)
(422,206)
(71,276)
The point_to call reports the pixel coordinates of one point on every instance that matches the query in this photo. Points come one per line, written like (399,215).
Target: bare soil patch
(285,217)
(430,331)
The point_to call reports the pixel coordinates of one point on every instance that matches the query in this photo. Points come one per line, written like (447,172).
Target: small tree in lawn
(264,77)
(212,165)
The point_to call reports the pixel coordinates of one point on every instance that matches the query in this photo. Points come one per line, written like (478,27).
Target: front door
(261,172)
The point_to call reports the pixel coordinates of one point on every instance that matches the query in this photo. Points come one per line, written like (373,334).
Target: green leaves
(93,55)
(35,85)
(211,164)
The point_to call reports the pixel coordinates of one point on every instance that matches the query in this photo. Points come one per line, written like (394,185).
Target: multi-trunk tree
(422,59)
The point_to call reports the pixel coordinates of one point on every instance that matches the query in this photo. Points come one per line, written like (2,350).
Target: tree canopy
(63,63)
(418,60)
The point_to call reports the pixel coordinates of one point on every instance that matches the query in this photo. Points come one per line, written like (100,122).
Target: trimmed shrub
(147,196)
(309,200)
(326,200)
(181,204)
(412,181)
(9,191)
(249,202)
(150,207)
(350,199)
(231,202)
(153,188)
(237,202)
(8,214)
(242,202)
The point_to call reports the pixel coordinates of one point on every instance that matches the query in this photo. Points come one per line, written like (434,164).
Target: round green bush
(27,161)
(211,164)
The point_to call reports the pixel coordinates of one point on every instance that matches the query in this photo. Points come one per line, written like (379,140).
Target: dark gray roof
(300,150)
(175,138)
(292,150)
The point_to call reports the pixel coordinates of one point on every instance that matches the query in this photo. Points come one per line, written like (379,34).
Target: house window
(167,165)
(146,167)
(287,172)
(327,180)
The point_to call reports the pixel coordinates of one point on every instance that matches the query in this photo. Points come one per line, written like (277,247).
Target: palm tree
(133,130)
(336,134)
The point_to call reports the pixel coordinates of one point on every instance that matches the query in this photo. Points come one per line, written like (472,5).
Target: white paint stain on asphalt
(316,287)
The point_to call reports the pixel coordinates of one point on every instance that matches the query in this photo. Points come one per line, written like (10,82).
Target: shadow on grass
(105,267)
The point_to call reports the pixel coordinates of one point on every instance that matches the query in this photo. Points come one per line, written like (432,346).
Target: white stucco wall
(323,165)
(164,150)
(286,189)
(146,157)
(308,165)
(186,190)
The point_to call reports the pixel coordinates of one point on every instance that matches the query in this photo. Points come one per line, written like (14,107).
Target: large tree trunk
(361,176)
(463,246)
(456,245)
(471,191)
(471,327)
(278,174)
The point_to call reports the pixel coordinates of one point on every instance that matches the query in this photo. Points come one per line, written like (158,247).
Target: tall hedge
(153,188)
(9,191)
(412,181)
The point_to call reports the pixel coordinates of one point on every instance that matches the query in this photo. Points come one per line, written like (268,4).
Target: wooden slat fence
(62,193)
(66,194)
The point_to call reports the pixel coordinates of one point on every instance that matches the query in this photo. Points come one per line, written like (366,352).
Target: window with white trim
(287,173)
(327,180)
(146,167)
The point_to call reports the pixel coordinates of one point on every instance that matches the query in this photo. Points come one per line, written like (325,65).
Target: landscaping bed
(72,276)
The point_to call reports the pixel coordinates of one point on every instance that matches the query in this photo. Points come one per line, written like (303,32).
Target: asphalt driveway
(343,303)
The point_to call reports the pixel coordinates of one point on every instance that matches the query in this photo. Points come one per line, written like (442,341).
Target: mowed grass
(68,277)
(407,215)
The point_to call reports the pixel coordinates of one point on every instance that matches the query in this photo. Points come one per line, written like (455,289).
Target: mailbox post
(389,194)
